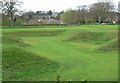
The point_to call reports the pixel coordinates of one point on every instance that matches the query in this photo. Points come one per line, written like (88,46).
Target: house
(54,14)
(45,15)
(41,15)
(53,21)
(116,18)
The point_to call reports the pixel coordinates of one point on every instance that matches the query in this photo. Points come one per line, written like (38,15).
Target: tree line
(100,12)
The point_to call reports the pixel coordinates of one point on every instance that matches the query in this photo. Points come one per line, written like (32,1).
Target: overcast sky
(56,5)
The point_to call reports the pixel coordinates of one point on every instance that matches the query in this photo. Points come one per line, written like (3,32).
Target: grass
(111,46)
(73,52)
(87,36)
(18,64)
(28,33)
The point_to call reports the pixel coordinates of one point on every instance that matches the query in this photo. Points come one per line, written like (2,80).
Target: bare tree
(82,10)
(28,15)
(119,6)
(10,8)
(101,11)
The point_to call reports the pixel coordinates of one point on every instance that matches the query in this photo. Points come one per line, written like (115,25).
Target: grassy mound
(12,40)
(111,46)
(19,64)
(95,37)
(30,33)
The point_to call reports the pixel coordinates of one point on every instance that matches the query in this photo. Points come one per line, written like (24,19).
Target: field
(41,53)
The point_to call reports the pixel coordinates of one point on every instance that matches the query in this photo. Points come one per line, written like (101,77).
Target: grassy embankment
(41,53)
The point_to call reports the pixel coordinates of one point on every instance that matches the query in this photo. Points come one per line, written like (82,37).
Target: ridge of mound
(86,36)
(110,46)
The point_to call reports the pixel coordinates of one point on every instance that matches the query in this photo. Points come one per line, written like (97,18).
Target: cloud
(57,5)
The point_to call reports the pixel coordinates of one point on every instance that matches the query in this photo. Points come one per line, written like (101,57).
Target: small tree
(70,17)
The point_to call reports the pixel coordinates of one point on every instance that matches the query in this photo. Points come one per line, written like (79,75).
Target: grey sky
(56,5)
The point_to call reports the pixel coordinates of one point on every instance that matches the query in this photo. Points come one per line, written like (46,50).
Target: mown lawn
(74,52)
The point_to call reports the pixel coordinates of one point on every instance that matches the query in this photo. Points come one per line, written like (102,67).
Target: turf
(19,64)
(74,52)
(111,46)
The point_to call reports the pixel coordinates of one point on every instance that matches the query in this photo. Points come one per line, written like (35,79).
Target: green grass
(111,46)
(41,53)
(87,36)
(19,64)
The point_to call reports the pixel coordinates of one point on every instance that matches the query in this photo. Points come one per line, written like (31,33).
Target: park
(78,44)
(73,52)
